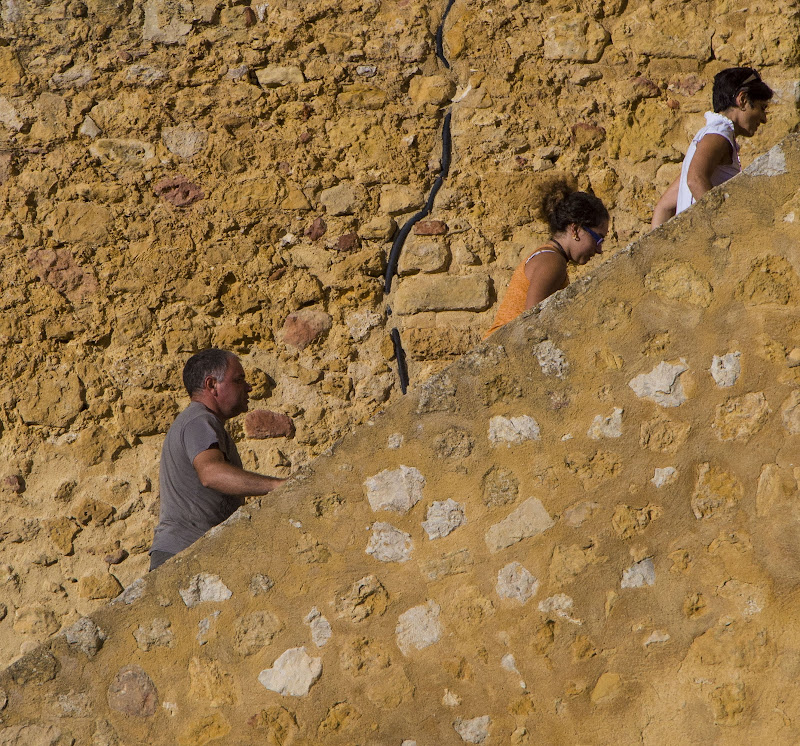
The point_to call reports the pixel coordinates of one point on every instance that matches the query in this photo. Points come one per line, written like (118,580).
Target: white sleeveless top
(716,124)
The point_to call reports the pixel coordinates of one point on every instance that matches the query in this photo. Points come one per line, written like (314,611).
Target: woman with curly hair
(578,225)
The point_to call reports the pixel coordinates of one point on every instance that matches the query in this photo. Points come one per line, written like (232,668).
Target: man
(201,476)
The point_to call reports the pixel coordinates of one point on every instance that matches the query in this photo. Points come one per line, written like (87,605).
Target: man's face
(231,392)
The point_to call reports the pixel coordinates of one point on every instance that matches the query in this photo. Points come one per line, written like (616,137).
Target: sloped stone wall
(180,174)
(584,530)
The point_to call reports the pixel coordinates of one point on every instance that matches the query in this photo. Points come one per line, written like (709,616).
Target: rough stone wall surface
(180,174)
(565,536)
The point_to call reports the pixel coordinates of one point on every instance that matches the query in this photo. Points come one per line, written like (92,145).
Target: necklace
(559,247)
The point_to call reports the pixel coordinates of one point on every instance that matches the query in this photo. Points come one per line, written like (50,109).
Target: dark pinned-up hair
(211,362)
(729,83)
(562,205)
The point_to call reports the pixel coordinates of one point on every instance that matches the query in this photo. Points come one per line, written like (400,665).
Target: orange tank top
(516,296)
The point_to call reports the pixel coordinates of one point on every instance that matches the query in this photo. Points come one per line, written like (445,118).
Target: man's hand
(215,472)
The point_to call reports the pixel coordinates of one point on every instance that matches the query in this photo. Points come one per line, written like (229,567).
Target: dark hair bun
(562,205)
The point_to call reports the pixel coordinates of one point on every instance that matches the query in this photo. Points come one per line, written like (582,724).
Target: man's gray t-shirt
(188,509)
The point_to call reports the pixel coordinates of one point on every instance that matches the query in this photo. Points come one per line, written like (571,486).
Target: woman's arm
(546,273)
(666,206)
(712,151)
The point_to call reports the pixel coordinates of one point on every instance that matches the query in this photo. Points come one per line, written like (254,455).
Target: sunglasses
(598,239)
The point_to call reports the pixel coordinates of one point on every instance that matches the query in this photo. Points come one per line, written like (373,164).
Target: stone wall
(180,174)
(568,535)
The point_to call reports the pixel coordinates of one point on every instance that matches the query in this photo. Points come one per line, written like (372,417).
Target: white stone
(473,731)
(514,581)
(508,663)
(560,605)
(726,369)
(662,385)
(443,517)
(419,627)
(552,361)
(575,515)
(450,699)
(606,427)
(204,627)
(292,674)
(360,323)
(145,74)
(395,489)
(288,240)
(656,636)
(667,475)
(512,430)
(772,163)
(204,587)
(640,574)
(89,128)
(184,140)
(320,627)
(389,544)
(86,636)
(529,519)
(75,77)
(395,440)
(9,116)
(172,32)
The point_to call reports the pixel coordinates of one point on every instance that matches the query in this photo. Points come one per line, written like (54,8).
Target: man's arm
(218,474)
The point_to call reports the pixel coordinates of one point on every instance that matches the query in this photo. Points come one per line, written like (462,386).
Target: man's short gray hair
(212,362)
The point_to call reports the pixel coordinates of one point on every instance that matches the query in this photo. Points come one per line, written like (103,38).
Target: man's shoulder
(195,414)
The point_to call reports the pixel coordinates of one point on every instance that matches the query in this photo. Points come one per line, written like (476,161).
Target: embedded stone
(559,606)
(86,636)
(254,631)
(715,491)
(398,489)
(348,242)
(76,76)
(262,423)
(184,140)
(163,29)
(157,634)
(740,417)
(362,97)
(663,435)
(363,599)
(628,521)
(606,427)
(277,76)
(292,674)
(453,563)
(419,627)
(32,734)
(102,587)
(475,730)
(320,627)
(204,587)
(10,118)
(35,620)
(132,692)
(664,476)
(606,687)
(662,385)
(121,152)
(551,360)
(575,37)
(303,327)
(680,281)
(726,369)
(179,191)
(431,89)
(341,199)
(773,280)
(37,667)
(443,518)
(639,574)
(515,581)
(316,230)
(790,413)
(422,293)
(512,430)
(361,323)
(427,257)
(260,584)
(776,486)
(528,520)
(500,487)
(208,682)
(389,544)
(399,198)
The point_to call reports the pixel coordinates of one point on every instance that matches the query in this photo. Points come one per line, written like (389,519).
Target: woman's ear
(742,99)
